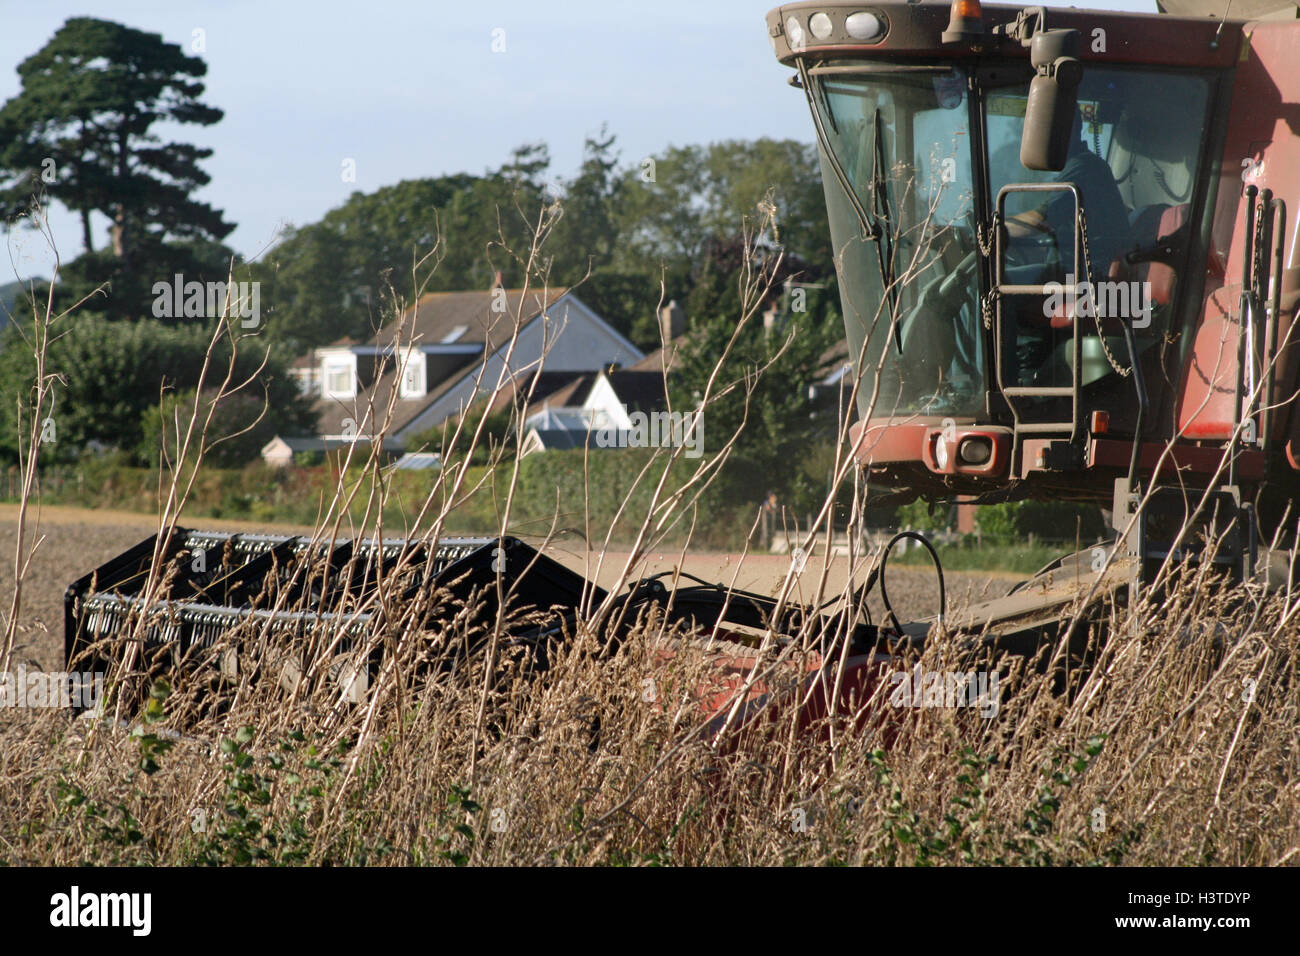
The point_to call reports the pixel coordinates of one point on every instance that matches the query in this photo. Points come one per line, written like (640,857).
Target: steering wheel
(928,332)
(1037,250)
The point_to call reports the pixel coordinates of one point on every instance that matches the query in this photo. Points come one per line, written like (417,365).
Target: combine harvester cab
(1067,269)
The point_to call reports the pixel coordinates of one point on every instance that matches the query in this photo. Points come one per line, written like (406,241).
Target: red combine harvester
(1067,272)
(1065,263)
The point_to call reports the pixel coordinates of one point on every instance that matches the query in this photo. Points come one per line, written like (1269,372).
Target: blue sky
(411,88)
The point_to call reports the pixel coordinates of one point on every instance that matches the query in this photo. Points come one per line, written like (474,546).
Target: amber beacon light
(965,23)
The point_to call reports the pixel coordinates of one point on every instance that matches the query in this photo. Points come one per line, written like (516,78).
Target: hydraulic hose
(938,568)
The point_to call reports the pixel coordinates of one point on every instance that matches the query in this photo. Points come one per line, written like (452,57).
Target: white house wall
(628,354)
(606,409)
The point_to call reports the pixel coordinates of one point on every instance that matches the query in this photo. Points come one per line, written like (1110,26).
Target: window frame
(345,367)
(413,362)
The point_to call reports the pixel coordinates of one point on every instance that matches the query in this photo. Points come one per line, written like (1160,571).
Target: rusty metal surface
(915,28)
(1238,9)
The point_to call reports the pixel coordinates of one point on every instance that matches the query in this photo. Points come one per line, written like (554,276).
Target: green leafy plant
(965,834)
(269,807)
(458,837)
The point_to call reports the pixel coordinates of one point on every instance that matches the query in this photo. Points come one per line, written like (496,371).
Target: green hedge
(1045,520)
(584,492)
(550,494)
(551,490)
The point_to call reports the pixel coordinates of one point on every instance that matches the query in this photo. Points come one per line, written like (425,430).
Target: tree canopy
(82,132)
(617,231)
(114,375)
(776,420)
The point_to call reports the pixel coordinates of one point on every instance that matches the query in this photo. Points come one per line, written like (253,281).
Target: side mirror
(1053,99)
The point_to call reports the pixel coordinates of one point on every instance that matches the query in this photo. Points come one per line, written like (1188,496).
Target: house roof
(664,358)
(293,444)
(346,341)
(557,439)
(635,390)
(418,461)
(438,320)
(540,388)
(831,363)
(443,318)
(638,389)
(839,352)
(560,417)
(334,411)
(572,393)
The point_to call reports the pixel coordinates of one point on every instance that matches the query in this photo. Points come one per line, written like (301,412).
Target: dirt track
(74,541)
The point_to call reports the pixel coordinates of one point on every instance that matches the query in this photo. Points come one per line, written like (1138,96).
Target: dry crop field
(449,728)
(1158,757)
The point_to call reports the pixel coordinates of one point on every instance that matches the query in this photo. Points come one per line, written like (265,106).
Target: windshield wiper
(880,206)
(881,210)
(870,228)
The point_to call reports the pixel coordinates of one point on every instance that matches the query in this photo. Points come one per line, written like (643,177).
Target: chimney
(672,321)
(771,317)
(498,281)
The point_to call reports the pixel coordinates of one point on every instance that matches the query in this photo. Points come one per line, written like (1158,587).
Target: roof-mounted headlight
(863,26)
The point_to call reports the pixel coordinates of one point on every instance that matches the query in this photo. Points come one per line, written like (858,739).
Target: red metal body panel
(914,28)
(910,440)
(1262,148)
(887,441)
(1199,459)
(743,688)
(1209,392)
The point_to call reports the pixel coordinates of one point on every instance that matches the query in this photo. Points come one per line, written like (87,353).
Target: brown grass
(577,766)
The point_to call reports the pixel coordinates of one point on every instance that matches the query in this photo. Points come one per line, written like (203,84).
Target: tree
(241,426)
(586,243)
(336,277)
(715,280)
(617,234)
(112,372)
(89,99)
(81,132)
(772,411)
(689,195)
(586,236)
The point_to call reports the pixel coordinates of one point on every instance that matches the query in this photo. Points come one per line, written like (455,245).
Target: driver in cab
(1107,224)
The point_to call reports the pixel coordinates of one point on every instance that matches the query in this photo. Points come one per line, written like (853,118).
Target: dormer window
(413,376)
(340,380)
